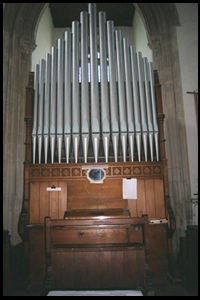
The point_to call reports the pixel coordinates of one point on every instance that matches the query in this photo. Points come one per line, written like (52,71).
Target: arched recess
(160,20)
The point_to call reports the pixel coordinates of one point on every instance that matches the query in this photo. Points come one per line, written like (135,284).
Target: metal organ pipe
(84,84)
(47,106)
(153,102)
(75,88)
(142,103)
(136,104)
(105,111)
(40,107)
(67,101)
(148,106)
(67,94)
(113,90)
(35,109)
(60,97)
(95,116)
(129,98)
(121,92)
(53,101)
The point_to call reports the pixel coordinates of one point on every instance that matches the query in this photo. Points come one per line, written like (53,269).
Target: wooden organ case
(85,231)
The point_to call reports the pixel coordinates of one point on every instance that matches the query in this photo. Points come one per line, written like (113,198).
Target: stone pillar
(175,134)
(160,21)
(18,40)
(17,64)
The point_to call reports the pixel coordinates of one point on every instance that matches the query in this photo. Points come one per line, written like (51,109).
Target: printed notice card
(129,188)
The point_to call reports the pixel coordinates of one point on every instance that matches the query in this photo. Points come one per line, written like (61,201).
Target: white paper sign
(53,189)
(129,187)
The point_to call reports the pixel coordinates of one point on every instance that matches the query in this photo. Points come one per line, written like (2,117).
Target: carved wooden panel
(143,169)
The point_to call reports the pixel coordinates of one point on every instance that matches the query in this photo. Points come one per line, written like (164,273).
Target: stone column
(18,40)
(17,64)
(161,20)
(175,134)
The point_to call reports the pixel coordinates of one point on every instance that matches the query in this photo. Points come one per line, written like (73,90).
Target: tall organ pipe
(40,106)
(129,97)
(75,88)
(136,105)
(105,111)
(153,102)
(142,103)
(113,91)
(95,116)
(148,105)
(67,94)
(60,97)
(84,84)
(35,109)
(53,101)
(121,92)
(127,94)
(47,105)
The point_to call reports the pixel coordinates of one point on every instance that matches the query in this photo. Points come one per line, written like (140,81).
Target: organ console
(94,103)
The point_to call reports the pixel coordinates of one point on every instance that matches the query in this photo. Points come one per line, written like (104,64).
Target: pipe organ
(94,98)
(94,103)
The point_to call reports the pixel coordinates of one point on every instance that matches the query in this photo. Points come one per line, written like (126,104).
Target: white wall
(140,39)
(127,31)
(58,33)
(43,37)
(47,35)
(187,36)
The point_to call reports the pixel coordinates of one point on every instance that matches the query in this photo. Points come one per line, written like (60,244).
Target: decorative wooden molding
(114,170)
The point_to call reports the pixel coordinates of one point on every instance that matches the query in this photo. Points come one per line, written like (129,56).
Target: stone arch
(20,21)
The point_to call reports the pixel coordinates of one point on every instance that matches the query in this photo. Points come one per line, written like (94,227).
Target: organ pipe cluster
(94,88)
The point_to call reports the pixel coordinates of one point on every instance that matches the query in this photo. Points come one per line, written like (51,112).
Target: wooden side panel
(45,203)
(150,198)
(132,206)
(157,248)
(96,269)
(159,199)
(83,194)
(36,255)
(62,200)
(54,201)
(141,202)
(34,202)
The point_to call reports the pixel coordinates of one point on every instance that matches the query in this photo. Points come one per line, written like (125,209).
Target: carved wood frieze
(114,170)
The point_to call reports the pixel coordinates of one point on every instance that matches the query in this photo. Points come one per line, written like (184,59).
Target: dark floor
(162,288)
(19,285)
(165,289)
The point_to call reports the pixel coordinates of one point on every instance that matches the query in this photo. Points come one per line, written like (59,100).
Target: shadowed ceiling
(64,13)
